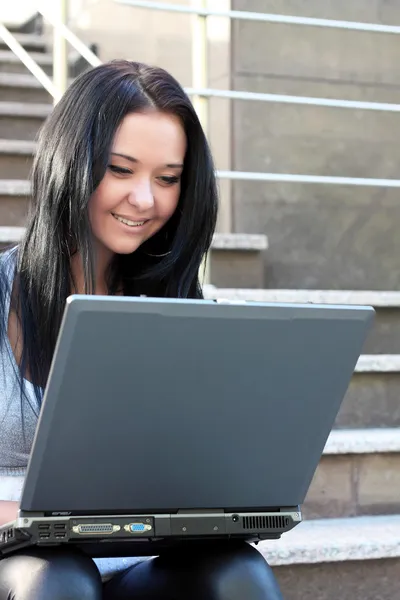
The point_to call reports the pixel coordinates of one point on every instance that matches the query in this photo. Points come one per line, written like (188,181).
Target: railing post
(199,61)
(200,80)
(60,56)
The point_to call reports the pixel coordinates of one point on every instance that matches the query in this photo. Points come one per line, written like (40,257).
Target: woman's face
(140,189)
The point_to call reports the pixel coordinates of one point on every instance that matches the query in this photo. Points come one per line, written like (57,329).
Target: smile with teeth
(128,222)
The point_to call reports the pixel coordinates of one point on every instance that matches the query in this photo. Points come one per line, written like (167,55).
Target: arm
(8,511)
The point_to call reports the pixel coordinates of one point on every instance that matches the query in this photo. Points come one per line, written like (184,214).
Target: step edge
(11,147)
(336,540)
(376,298)
(385,440)
(241,241)
(25,109)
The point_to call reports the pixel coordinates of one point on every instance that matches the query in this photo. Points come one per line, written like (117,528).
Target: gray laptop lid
(158,405)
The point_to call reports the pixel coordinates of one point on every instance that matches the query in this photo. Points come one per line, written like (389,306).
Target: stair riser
(348,580)
(24,94)
(29,47)
(14,127)
(354,485)
(372,400)
(15,166)
(237,268)
(13,210)
(8,66)
(384,337)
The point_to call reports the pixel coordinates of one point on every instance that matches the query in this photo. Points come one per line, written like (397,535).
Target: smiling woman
(124,201)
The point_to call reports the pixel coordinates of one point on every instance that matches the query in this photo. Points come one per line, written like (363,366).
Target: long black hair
(72,156)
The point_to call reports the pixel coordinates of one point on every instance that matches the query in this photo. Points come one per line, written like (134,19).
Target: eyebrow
(135,160)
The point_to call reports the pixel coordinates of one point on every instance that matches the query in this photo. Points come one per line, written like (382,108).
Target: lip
(128,218)
(132,230)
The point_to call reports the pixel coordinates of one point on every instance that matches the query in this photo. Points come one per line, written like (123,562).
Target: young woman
(124,201)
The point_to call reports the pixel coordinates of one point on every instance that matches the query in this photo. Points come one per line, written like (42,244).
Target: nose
(141,195)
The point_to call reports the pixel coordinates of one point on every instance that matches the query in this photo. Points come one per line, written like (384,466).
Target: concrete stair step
(384,337)
(10,63)
(22,120)
(352,558)
(238,257)
(30,41)
(358,474)
(372,399)
(22,87)
(16,158)
(14,201)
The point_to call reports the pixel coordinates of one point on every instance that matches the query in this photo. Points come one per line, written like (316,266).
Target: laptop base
(144,535)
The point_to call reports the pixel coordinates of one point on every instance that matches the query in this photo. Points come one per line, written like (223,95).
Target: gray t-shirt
(18,416)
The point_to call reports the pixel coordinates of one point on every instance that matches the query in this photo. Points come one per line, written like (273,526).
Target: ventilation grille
(265,522)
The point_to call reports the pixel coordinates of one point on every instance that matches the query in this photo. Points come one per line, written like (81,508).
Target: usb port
(60,526)
(59,536)
(44,527)
(44,536)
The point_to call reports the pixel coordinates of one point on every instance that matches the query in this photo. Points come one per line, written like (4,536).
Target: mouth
(129,222)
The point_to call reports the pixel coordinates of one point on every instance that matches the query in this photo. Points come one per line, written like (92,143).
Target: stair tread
(33,39)
(363,441)
(19,80)
(14,187)
(333,540)
(25,109)
(244,241)
(376,298)
(42,58)
(17,147)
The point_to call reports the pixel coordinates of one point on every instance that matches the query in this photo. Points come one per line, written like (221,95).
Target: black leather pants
(235,571)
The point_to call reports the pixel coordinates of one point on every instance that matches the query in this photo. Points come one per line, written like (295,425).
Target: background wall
(319,234)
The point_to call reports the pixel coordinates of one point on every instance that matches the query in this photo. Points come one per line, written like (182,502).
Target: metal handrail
(24,57)
(287,99)
(264,17)
(293,178)
(60,65)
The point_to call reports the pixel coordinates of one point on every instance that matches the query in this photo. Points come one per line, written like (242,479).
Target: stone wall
(320,236)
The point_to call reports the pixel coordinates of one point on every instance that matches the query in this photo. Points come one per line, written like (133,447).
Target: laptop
(167,422)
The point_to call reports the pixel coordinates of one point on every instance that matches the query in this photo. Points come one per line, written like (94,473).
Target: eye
(119,170)
(169,180)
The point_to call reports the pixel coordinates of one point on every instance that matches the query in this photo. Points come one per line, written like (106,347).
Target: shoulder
(8,262)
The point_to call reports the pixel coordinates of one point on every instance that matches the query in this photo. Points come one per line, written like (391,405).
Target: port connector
(44,536)
(138,527)
(60,526)
(96,529)
(44,527)
(60,536)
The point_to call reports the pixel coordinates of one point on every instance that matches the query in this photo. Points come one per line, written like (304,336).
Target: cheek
(169,203)
(98,202)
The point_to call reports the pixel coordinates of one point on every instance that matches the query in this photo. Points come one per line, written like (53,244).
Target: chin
(120,248)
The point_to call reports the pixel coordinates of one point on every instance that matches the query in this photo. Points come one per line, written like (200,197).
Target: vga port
(138,527)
